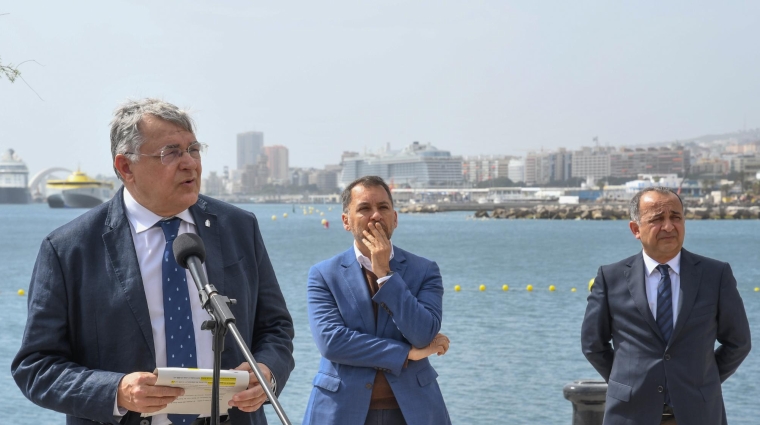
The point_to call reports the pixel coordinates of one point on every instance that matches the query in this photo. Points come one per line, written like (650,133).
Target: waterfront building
(516,170)
(249,146)
(476,169)
(747,164)
(632,162)
(591,163)
(277,161)
(14,179)
(417,165)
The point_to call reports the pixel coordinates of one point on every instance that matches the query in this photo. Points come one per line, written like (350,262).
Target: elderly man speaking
(108,305)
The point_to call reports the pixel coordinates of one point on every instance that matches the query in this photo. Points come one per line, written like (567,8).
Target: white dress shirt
(367,263)
(149,245)
(653,279)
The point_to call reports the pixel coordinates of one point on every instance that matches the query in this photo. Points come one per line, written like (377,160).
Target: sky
(323,77)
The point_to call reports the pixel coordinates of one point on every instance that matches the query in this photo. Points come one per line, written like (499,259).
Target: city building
(632,162)
(277,161)
(476,169)
(417,165)
(516,170)
(249,146)
(591,163)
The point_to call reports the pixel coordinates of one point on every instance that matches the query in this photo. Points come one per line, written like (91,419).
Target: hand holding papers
(197,385)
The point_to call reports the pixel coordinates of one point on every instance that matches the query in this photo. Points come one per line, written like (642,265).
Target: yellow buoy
(482,287)
(552,288)
(457,288)
(21,292)
(285,215)
(757,289)
(572,289)
(274,217)
(590,284)
(529,288)
(505,287)
(324,221)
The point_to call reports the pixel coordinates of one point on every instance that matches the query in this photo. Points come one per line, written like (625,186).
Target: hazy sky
(321,77)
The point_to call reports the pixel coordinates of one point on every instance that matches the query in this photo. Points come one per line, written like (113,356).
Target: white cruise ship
(14,179)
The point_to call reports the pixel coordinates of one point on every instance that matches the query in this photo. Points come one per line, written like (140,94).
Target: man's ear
(635,229)
(124,166)
(344,218)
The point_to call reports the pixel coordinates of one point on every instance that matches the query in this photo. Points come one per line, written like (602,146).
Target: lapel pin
(208,223)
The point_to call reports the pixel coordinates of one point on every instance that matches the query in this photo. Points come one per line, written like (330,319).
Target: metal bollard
(587,397)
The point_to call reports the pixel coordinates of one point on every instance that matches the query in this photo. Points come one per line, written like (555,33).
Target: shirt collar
(651,265)
(363,260)
(143,219)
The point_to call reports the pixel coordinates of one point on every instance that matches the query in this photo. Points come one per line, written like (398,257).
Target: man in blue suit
(101,315)
(375,312)
(664,309)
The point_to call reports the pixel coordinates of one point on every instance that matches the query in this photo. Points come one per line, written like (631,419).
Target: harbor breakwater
(586,211)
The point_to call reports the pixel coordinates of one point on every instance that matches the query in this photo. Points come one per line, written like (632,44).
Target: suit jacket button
(667,356)
(368,386)
(144,422)
(660,389)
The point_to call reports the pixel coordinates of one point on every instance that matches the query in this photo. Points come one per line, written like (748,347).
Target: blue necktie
(178,319)
(664,302)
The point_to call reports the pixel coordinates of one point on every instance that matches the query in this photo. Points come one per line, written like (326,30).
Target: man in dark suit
(664,309)
(102,303)
(375,311)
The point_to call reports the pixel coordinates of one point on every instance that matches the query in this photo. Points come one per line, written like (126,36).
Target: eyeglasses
(170,155)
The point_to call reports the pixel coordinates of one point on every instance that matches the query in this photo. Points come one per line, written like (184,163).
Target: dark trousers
(385,417)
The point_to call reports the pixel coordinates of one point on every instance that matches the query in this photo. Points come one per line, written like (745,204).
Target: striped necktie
(665,302)
(178,319)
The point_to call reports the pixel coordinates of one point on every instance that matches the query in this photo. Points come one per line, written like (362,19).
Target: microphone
(189,252)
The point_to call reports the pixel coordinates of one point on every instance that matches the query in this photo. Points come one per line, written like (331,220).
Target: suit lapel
(398,265)
(353,279)
(691,273)
(207,226)
(121,253)
(636,276)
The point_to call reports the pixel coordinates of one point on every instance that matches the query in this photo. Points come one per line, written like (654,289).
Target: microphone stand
(222,321)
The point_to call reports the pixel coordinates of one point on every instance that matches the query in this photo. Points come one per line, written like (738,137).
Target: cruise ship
(78,191)
(14,179)
(417,165)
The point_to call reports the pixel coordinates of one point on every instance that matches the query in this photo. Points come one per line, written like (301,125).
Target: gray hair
(126,138)
(636,200)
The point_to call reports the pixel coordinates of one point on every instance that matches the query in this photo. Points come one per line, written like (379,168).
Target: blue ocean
(511,351)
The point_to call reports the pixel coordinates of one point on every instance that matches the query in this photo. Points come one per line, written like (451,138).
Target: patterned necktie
(664,302)
(178,319)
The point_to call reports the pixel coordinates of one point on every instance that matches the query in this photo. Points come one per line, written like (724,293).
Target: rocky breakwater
(613,212)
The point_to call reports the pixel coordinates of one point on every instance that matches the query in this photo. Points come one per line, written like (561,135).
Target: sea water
(511,351)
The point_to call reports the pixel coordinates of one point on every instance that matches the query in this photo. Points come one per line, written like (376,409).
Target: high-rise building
(277,161)
(516,170)
(480,168)
(591,162)
(249,146)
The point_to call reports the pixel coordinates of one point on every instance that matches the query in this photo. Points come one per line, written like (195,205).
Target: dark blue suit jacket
(354,346)
(640,363)
(88,322)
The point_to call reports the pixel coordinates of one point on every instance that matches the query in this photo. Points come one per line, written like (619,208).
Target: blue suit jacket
(354,347)
(88,322)
(642,363)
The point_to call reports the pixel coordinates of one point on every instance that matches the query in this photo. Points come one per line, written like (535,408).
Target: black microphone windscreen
(186,245)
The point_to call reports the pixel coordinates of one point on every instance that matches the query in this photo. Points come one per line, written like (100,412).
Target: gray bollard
(587,397)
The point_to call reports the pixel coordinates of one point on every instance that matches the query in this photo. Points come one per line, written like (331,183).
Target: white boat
(78,191)
(13,179)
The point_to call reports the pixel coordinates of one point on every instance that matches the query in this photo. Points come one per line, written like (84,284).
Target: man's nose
(667,226)
(376,216)
(187,162)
